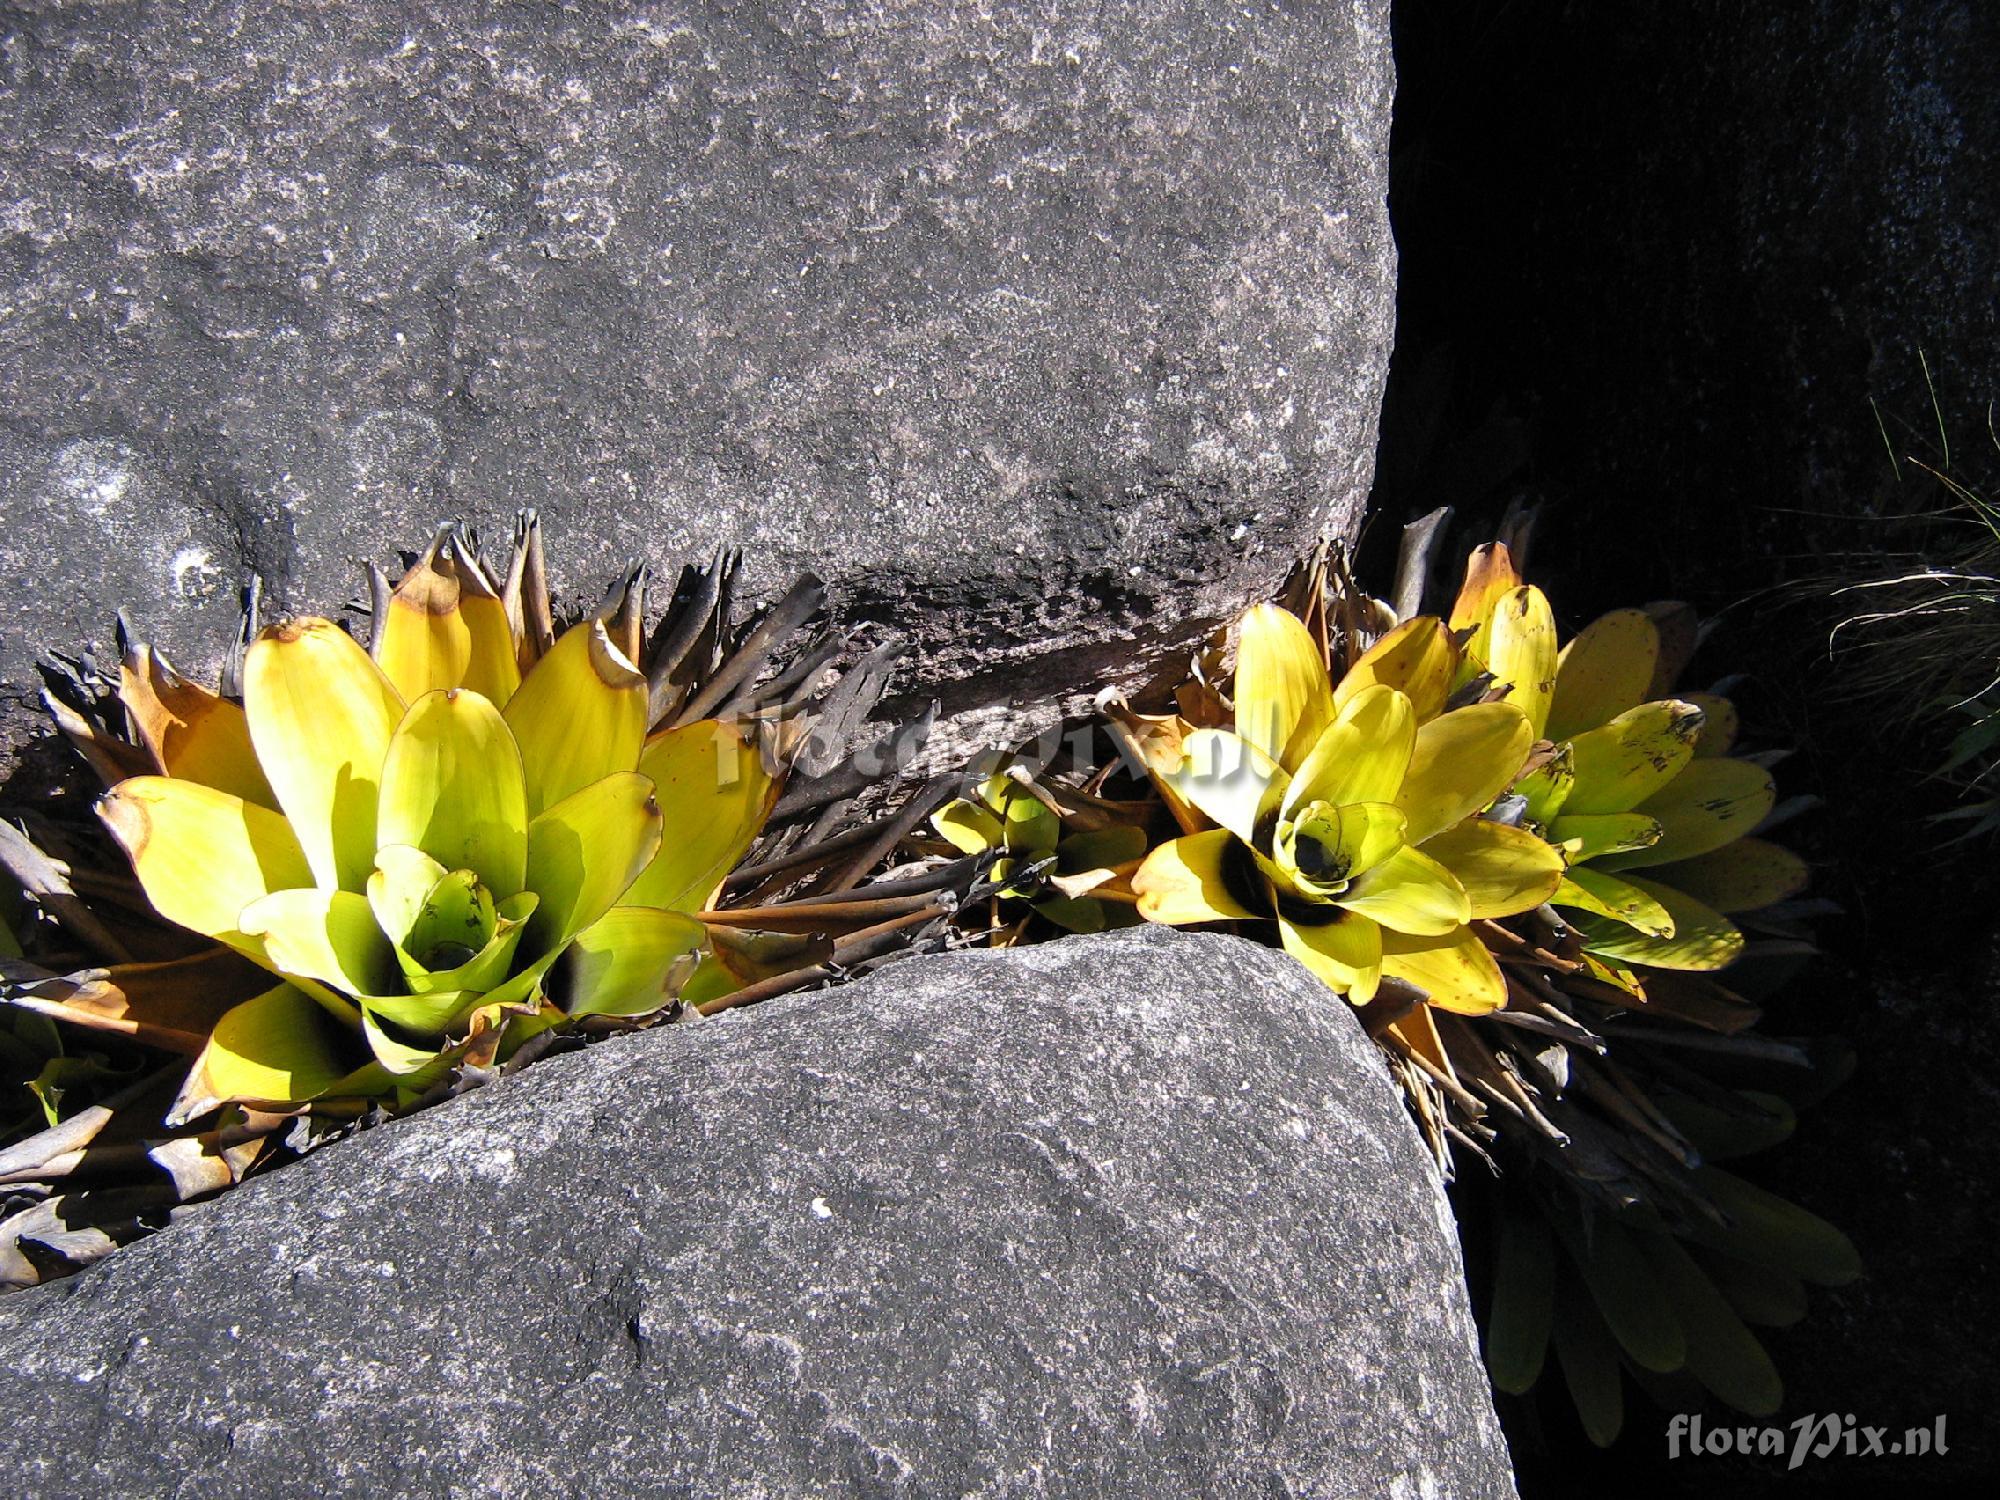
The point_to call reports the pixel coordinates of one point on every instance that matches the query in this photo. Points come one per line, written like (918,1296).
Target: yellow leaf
(1741,876)
(1545,784)
(1410,892)
(1489,574)
(967,826)
(191,733)
(1720,722)
(1188,879)
(1229,779)
(578,717)
(1603,672)
(1584,889)
(480,971)
(1521,652)
(622,963)
(446,628)
(1620,764)
(430,1017)
(203,855)
(1711,803)
(714,796)
(585,852)
(321,714)
(1417,658)
(1589,836)
(399,888)
(280,1048)
(1460,763)
(1504,870)
(1345,951)
(1454,971)
(452,786)
(328,936)
(1283,698)
(1362,756)
(1703,939)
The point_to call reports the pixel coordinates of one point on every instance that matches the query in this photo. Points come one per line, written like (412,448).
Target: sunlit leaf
(1504,870)
(1417,658)
(1603,672)
(280,1048)
(1520,651)
(967,826)
(1283,698)
(578,717)
(452,786)
(1229,779)
(621,964)
(1345,951)
(585,852)
(714,796)
(1455,971)
(1702,939)
(1186,880)
(329,936)
(1620,764)
(203,855)
(1409,892)
(1711,803)
(446,628)
(1590,836)
(321,714)
(1461,762)
(1362,756)
(191,733)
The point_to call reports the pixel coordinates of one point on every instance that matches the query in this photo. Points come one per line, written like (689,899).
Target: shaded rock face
(1040,334)
(1126,1215)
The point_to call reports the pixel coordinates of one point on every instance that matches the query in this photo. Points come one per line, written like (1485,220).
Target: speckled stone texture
(1118,1216)
(1043,331)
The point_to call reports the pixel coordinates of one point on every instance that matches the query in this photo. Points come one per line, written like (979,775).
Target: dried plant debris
(1537,869)
(346,882)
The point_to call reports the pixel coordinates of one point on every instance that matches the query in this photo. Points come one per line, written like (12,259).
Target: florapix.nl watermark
(1808,1437)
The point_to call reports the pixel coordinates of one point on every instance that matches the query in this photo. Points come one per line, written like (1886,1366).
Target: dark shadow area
(1689,276)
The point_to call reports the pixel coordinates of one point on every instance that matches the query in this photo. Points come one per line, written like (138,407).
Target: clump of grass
(1921,640)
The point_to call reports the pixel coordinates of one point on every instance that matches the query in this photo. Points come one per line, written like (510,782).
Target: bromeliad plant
(1076,877)
(369,877)
(430,850)
(1525,863)
(1349,824)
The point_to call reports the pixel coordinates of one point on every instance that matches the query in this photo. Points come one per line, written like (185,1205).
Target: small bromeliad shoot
(1527,864)
(354,881)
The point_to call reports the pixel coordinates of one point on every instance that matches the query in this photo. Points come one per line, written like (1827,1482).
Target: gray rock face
(1042,334)
(1128,1215)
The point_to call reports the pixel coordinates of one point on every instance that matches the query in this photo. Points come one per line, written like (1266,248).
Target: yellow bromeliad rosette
(1349,815)
(1635,784)
(427,849)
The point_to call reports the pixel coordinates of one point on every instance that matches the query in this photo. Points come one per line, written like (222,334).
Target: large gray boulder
(1128,1215)
(1045,333)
